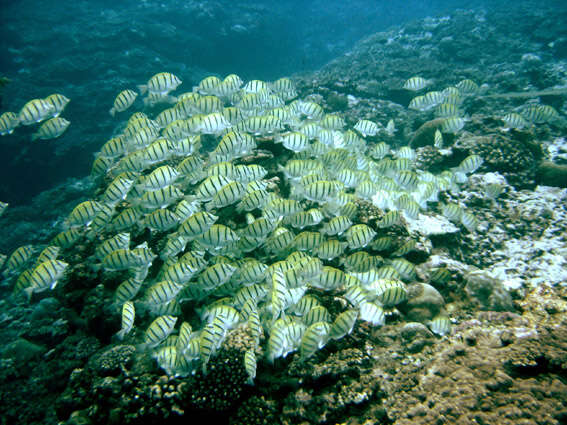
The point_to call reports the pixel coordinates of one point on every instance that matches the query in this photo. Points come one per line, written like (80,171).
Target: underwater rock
(115,359)
(22,351)
(221,388)
(424,302)
(332,390)
(256,411)
(515,155)
(505,381)
(46,308)
(431,225)
(425,134)
(416,336)
(551,174)
(79,417)
(488,292)
(556,150)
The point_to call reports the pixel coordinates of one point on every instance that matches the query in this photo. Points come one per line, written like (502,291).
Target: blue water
(90,50)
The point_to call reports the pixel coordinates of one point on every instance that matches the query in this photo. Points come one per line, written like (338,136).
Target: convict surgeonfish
(8,122)
(34,111)
(59,103)
(51,129)
(416,83)
(123,101)
(366,128)
(45,276)
(128,316)
(160,84)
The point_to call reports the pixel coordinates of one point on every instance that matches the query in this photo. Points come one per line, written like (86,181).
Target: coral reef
(504,360)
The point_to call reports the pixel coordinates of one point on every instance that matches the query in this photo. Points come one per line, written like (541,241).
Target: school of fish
(240,245)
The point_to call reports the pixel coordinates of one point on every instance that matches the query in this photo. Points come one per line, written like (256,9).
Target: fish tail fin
(143,88)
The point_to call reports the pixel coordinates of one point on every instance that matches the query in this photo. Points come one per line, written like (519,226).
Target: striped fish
(160,84)
(167,359)
(217,236)
(113,148)
(330,249)
(307,241)
(159,178)
(372,313)
(470,164)
(360,261)
(18,259)
(173,246)
(161,220)
(163,292)
(440,275)
(160,198)
(215,275)
(34,111)
(416,83)
(83,214)
(356,295)
(294,141)
(277,342)
(305,304)
(127,290)
(321,191)
(208,105)
(359,235)
(314,338)
(8,122)
(227,195)
(469,220)
(123,101)
(117,190)
(250,366)
(169,115)
(329,279)
(119,241)
(343,324)
(253,292)
(51,129)
(405,268)
(122,259)
(46,275)
(181,272)
(210,340)
(252,200)
(214,123)
(452,124)
(158,331)
(467,86)
(337,225)
(48,253)
(67,238)
(440,325)
(389,292)
(391,218)
(366,128)
(234,145)
(59,103)
(128,315)
(125,220)
(197,224)
(317,314)
(208,85)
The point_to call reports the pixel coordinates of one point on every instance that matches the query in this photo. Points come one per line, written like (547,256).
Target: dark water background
(90,50)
